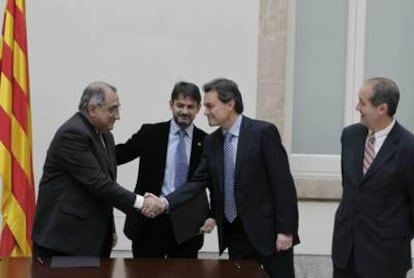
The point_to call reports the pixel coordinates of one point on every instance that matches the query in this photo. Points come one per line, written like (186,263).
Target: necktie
(230,210)
(102,140)
(369,153)
(181,165)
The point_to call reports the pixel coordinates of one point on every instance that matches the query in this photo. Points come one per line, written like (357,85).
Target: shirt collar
(174,128)
(235,128)
(384,132)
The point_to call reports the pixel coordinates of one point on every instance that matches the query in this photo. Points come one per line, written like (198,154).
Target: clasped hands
(153,205)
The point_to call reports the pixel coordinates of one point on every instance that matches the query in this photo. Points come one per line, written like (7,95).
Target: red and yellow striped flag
(16,170)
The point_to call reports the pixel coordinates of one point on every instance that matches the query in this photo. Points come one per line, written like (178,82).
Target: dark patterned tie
(369,153)
(230,210)
(100,134)
(181,164)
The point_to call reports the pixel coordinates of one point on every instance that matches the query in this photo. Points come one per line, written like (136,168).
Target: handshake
(153,205)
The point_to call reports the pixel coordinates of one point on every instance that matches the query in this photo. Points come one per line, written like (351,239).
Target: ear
(383,108)
(91,109)
(231,104)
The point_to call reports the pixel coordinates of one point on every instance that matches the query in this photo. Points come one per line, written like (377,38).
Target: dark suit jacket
(77,191)
(374,217)
(265,194)
(150,144)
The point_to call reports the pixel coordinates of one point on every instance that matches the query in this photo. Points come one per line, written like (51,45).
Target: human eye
(114,109)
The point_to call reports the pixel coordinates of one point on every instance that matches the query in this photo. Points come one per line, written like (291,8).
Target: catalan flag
(16,170)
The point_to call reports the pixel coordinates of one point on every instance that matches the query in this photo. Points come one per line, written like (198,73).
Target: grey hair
(94,94)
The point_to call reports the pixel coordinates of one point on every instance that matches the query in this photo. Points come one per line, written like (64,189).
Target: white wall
(316,221)
(143,48)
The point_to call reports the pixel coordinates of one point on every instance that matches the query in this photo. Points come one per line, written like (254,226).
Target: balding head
(94,93)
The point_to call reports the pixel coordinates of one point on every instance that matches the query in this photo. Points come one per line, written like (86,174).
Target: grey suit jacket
(78,191)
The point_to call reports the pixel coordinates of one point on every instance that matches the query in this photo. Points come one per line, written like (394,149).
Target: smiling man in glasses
(78,189)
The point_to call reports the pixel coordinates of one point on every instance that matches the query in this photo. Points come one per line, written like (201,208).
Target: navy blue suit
(374,220)
(264,190)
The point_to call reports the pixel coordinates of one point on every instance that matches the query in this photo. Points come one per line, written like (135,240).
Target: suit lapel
(217,144)
(161,147)
(160,139)
(104,153)
(385,153)
(359,154)
(242,146)
(101,153)
(196,150)
(110,154)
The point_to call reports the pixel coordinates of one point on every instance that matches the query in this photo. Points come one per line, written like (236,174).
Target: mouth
(184,117)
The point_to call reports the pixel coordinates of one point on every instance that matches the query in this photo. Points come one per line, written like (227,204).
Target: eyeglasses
(115,109)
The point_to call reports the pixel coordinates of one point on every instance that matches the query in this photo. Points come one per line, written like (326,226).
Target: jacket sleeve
(281,182)
(75,154)
(132,148)
(199,182)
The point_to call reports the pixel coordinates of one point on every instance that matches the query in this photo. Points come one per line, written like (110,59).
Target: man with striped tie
(246,169)
(374,221)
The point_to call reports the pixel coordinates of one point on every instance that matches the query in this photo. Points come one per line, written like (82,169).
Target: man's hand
(284,242)
(208,226)
(153,206)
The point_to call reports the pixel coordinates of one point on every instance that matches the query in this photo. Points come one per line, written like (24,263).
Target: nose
(357,107)
(184,110)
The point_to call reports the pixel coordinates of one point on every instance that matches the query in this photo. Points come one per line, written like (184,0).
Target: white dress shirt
(381,135)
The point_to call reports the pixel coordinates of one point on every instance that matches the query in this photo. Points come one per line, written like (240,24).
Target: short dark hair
(227,90)
(94,93)
(186,89)
(385,91)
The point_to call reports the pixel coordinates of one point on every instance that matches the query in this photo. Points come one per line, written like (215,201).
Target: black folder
(74,261)
(188,218)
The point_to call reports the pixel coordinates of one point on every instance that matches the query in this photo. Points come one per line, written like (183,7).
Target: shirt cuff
(139,202)
(167,204)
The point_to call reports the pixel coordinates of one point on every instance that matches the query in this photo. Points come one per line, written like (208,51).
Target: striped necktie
(230,210)
(369,153)
(181,163)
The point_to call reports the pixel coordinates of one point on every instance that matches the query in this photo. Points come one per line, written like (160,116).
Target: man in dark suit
(157,146)
(78,191)
(253,195)
(374,221)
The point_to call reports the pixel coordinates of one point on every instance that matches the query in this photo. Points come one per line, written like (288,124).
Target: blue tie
(230,210)
(181,165)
